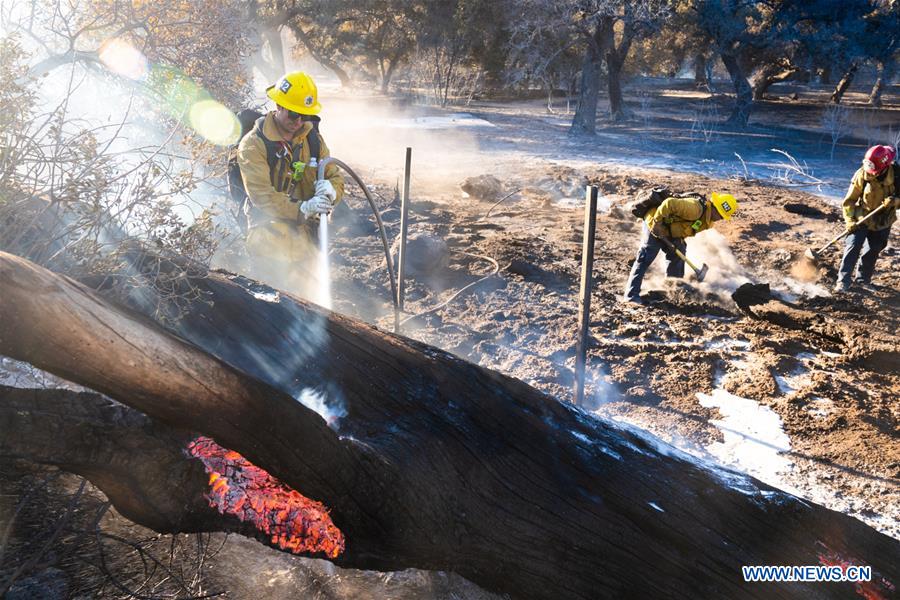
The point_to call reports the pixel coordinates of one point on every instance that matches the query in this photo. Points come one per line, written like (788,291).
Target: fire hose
(323,237)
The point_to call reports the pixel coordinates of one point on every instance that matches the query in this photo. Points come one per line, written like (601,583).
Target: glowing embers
(242,489)
(878,588)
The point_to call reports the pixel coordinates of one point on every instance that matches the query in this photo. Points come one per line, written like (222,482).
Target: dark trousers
(874,241)
(647,253)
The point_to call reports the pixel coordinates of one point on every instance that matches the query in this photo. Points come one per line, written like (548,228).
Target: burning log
(428,461)
(142,466)
(242,489)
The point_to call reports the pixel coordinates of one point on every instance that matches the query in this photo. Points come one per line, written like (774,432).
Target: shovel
(813,255)
(700,273)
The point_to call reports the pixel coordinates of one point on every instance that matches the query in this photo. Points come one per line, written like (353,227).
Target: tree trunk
(388,75)
(771,74)
(844,84)
(585,120)
(436,463)
(140,465)
(275,67)
(885,75)
(743,103)
(615,61)
(701,81)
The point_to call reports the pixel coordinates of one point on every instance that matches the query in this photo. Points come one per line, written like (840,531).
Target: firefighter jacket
(866,193)
(268,186)
(683,217)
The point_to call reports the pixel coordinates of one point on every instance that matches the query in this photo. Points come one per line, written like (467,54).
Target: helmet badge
(284,85)
(308,101)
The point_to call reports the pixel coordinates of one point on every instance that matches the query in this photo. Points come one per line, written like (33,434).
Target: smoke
(708,247)
(790,289)
(372,134)
(332,410)
(602,389)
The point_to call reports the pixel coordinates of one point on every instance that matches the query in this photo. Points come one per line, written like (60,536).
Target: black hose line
(387,250)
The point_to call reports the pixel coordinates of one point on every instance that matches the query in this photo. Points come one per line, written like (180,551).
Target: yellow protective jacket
(683,217)
(866,193)
(266,204)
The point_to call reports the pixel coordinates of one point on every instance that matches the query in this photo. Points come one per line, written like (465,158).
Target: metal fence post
(587,281)
(404,225)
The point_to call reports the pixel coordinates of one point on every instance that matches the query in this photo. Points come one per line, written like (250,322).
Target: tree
(67,200)
(459,44)
(868,32)
(372,38)
(605,31)
(885,46)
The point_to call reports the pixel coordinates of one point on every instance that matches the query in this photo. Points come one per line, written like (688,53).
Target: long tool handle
(678,253)
(847,232)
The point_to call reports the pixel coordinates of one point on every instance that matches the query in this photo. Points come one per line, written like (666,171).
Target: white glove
(315,206)
(324,188)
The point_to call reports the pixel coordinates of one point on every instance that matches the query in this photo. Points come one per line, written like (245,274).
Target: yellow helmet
(725,204)
(297,92)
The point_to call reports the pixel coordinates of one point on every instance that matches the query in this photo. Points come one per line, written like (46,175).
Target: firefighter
(875,186)
(285,202)
(674,220)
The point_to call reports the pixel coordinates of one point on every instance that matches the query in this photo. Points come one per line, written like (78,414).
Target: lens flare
(212,120)
(176,91)
(123,59)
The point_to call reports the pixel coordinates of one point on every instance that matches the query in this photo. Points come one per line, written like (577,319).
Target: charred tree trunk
(844,84)
(141,465)
(585,120)
(743,102)
(885,75)
(436,463)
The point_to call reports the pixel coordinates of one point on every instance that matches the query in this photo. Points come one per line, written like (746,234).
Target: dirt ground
(835,393)
(828,367)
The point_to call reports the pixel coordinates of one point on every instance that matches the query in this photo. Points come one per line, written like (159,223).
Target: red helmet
(878,158)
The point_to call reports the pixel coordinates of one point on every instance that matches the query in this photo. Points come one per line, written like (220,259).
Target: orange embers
(878,588)
(239,488)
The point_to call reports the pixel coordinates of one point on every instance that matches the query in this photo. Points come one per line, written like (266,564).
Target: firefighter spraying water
(287,184)
(286,205)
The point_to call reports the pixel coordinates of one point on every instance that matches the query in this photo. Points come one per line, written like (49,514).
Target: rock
(426,254)
(751,294)
(798,208)
(483,187)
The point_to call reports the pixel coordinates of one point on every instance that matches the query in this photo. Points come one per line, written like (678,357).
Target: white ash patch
(754,436)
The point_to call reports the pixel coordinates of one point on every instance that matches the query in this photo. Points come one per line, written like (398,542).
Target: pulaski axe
(813,255)
(700,273)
